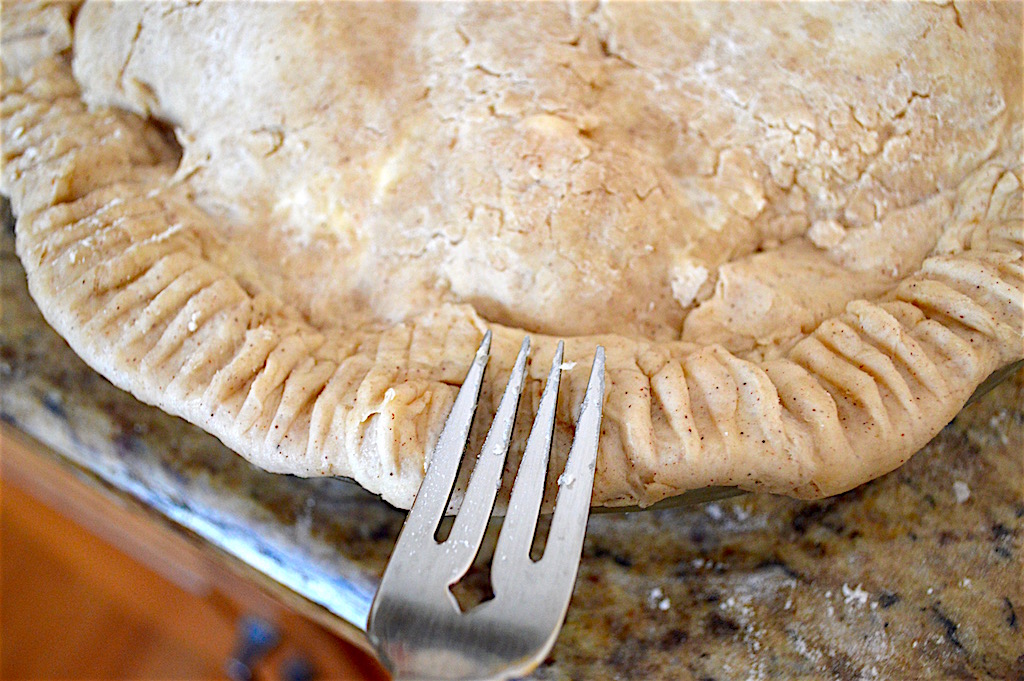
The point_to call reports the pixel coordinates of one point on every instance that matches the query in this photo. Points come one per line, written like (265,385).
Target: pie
(795,228)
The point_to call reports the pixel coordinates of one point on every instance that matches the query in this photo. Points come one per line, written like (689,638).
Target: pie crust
(795,228)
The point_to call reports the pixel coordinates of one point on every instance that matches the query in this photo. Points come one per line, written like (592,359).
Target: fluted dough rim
(124,267)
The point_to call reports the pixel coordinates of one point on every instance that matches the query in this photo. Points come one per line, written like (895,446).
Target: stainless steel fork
(415,622)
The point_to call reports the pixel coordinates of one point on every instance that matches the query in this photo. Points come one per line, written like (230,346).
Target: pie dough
(795,228)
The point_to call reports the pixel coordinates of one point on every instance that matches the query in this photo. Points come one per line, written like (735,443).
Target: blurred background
(107,596)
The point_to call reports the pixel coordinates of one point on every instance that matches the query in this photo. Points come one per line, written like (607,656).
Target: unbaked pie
(796,228)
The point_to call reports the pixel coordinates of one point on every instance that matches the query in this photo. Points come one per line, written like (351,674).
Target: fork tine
(415,623)
(471,521)
(576,484)
(520,525)
(435,490)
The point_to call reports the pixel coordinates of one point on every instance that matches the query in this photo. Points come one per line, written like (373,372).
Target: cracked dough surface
(795,228)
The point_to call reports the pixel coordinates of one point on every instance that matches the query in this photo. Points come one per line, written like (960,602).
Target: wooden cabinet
(93,588)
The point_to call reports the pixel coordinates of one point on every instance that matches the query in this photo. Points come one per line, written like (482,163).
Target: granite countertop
(915,575)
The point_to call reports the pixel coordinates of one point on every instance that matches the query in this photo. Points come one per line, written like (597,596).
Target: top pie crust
(795,228)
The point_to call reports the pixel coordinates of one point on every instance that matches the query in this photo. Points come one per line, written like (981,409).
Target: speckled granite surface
(916,575)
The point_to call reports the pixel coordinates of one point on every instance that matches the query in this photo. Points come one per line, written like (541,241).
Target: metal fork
(415,622)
